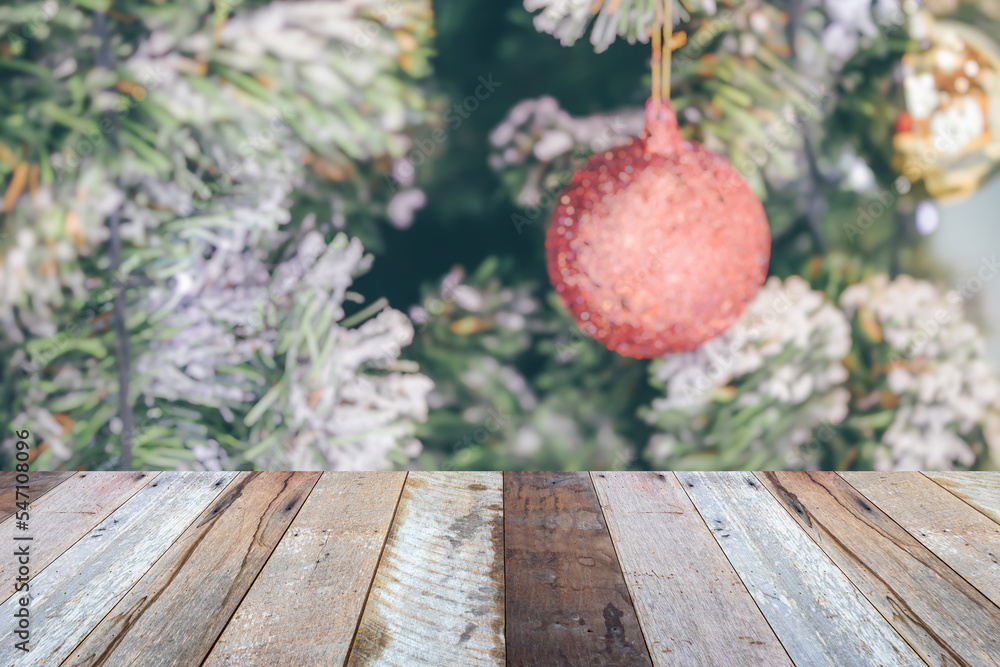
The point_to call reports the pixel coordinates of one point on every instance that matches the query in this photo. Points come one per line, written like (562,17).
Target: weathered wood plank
(304,607)
(692,605)
(566,599)
(438,593)
(920,596)
(963,538)
(39,483)
(979,489)
(74,593)
(65,515)
(201,579)
(816,612)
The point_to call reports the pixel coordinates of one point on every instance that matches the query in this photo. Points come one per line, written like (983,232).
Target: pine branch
(818,186)
(110,121)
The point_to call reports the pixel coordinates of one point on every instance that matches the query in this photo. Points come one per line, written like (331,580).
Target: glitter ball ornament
(658,245)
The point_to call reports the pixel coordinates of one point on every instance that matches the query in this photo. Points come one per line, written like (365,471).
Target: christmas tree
(262,235)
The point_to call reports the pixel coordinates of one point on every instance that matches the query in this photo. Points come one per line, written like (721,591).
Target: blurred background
(968,228)
(310,235)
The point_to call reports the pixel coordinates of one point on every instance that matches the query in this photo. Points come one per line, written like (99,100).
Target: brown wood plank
(304,607)
(944,618)
(979,489)
(65,515)
(39,483)
(175,613)
(438,593)
(692,605)
(567,602)
(73,594)
(965,539)
(819,616)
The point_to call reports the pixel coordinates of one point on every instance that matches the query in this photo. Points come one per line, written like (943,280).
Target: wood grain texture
(567,602)
(438,593)
(39,483)
(74,593)
(226,569)
(305,605)
(962,537)
(913,589)
(202,577)
(66,514)
(816,612)
(979,489)
(692,605)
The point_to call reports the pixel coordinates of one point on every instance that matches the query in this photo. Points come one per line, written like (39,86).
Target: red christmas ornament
(904,123)
(658,245)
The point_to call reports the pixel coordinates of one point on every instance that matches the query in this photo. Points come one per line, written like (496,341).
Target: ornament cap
(663,133)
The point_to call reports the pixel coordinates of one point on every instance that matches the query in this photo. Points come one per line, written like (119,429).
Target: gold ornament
(949,135)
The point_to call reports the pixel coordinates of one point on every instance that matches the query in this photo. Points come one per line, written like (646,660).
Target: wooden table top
(487,568)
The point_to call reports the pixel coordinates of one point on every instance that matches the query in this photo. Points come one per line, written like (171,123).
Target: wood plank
(74,593)
(201,579)
(814,609)
(304,607)
(953,530)
(65,515)
(39,483)
(920,596)
(692,605)
(438,593)
(979,489)
(566,599)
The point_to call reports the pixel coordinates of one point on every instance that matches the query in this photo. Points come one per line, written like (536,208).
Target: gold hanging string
(668,45)
(655,38)
(662,38)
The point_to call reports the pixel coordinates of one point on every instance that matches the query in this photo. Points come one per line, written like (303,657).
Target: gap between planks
(621,568)
(152,565)
(785,568)
(569,602)
(607,529)
(976,502)
(45,480)
(957,551)
(105,567)
(442,562)
(378,563)
(150,614)
(766,652)
(866,555)
(503,555)
(503,552)
(739,576)
(236,608)
(83,501)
